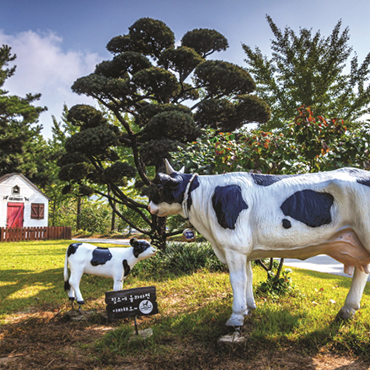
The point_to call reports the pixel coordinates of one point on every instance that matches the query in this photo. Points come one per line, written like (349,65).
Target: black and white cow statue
(109,262)
(248,216)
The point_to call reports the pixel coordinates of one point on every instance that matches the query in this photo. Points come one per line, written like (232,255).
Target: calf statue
(109,262)
(248,216)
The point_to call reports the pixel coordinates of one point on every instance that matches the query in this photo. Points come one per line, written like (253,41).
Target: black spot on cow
(286,224)
(267,180)
(126,267)
(193,186)
(310,207)
(100,256)
(362,177)
(72,248)
(364,181)
(228,202)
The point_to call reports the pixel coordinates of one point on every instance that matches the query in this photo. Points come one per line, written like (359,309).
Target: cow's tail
(66,277)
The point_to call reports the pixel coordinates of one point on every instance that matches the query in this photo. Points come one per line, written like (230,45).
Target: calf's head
(142,249)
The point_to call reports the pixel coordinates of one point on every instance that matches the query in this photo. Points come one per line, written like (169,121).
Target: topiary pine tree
(161,97)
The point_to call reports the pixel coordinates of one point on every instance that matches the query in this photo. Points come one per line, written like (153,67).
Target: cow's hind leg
(71,292)
(71,295)
(251,305)
(352,303)
(238,279)
(74,281)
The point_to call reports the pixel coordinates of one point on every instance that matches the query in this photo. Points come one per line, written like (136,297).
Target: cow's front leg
(118,283)
(251,305)
(118,278)
(352,303)
(238,279)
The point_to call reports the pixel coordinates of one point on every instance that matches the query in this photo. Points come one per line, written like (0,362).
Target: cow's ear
(133,241)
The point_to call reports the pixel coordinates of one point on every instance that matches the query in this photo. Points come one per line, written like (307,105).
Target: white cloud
(43,67)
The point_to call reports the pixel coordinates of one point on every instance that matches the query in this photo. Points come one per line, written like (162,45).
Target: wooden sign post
(122,304)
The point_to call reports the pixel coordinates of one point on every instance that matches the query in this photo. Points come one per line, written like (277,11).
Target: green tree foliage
(54,188)
(21,145)
(305,144)
(309,69)
(161,96)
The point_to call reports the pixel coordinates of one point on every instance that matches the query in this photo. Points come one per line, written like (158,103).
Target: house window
(16,190)
(37,211)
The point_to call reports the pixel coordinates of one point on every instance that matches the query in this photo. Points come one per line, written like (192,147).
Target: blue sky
(57,41)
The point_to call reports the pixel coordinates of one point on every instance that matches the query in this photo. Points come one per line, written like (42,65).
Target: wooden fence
(15,234)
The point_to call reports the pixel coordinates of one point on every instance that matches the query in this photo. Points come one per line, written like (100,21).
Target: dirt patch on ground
(54,340)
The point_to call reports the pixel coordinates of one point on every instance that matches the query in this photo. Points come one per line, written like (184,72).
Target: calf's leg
(117,285)
(118,282)
(352,303)
(74,281)
(238,279)
(71,294)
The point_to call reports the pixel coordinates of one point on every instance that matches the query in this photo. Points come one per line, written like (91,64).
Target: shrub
(181,258)
(276,286)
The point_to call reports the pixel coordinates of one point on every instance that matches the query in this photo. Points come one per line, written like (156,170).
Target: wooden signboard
(122,304)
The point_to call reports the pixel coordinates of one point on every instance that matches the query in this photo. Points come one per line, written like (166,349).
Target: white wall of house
(28,194)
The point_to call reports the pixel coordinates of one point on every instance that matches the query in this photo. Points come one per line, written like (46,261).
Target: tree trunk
(269,268)
(113,223)
(78,213)
(158,237)
(53,211)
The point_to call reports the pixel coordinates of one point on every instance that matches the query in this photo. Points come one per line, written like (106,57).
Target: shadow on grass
(270,332)
(36,290)
(29,288)
(24,289)
(188,339)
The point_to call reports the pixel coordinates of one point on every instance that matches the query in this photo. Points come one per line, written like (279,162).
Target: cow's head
(168,194)
(142,249)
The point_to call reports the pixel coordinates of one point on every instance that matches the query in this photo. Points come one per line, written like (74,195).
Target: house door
(15,215)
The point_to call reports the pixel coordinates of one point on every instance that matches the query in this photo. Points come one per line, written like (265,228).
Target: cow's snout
(154,251)
(153,209)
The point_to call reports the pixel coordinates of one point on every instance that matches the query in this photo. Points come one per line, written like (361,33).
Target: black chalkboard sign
(131,302)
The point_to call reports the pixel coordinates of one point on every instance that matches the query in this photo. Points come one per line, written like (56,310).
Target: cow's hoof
(72,299)
(346,313)
(249,311)
(80,303)
(235,320)
(251,306)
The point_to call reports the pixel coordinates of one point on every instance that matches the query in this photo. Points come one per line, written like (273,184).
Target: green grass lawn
(193,307)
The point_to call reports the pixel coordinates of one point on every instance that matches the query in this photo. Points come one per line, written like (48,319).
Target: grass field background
(194,305)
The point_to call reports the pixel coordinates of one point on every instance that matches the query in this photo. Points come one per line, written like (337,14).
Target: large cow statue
(247,216)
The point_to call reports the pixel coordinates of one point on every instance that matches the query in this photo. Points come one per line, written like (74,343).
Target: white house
(22,204)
